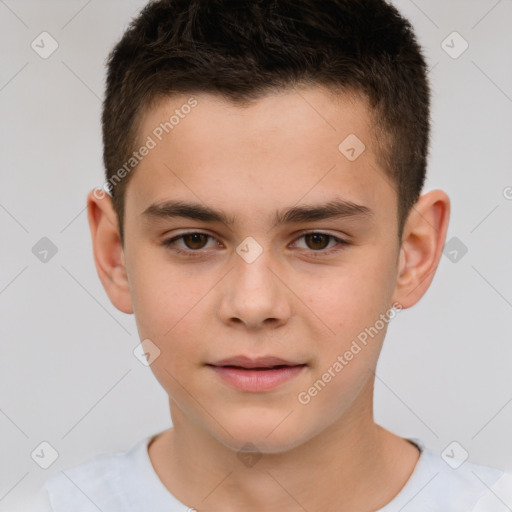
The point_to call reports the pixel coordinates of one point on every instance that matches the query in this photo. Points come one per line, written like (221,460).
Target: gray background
(68,374)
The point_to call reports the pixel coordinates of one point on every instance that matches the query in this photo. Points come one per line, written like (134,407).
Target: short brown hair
(243,49)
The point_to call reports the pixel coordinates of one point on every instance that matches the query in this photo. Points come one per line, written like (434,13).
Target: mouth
(256,375)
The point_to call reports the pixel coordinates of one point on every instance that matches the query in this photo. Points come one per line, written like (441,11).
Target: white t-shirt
(126,482)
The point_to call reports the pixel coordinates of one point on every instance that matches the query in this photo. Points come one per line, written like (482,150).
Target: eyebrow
(296,214)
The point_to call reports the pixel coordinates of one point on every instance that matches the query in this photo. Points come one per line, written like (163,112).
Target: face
(259,298)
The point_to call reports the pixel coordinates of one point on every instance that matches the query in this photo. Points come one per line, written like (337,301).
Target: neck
(351,464)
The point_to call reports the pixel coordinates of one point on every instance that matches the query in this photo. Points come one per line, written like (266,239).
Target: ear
(107,249)
(422,246)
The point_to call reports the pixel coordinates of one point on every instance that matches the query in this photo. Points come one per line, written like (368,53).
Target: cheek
(352,299)
(170,321)
(165,315)
(356,305)
(163,294)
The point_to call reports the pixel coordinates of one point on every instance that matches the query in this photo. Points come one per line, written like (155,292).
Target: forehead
(302,118)
(296,145)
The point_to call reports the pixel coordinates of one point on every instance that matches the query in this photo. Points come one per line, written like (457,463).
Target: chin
(268,433)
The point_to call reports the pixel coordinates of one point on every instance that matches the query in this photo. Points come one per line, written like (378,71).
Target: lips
(263,363)
(256,374)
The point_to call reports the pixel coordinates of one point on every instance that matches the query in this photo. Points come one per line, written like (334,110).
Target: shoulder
(463,485)
(95,484)
(441,482)
(498,496)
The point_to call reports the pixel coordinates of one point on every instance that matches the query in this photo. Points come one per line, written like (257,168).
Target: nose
(254,296)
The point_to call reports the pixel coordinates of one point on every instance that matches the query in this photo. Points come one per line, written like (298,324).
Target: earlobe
(108,250)
(422,246)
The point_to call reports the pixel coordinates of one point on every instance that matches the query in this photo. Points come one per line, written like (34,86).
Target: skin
(249,162)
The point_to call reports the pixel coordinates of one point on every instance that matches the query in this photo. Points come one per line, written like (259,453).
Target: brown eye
(319,244)
(193,244)
(195,240)
(317,241)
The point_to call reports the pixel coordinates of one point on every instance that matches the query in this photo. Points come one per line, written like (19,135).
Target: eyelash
(191,253)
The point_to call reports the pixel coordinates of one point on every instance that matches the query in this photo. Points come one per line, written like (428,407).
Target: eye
(319,242)
(194,242)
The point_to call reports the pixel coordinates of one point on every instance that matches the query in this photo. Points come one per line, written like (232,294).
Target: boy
(238,135)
